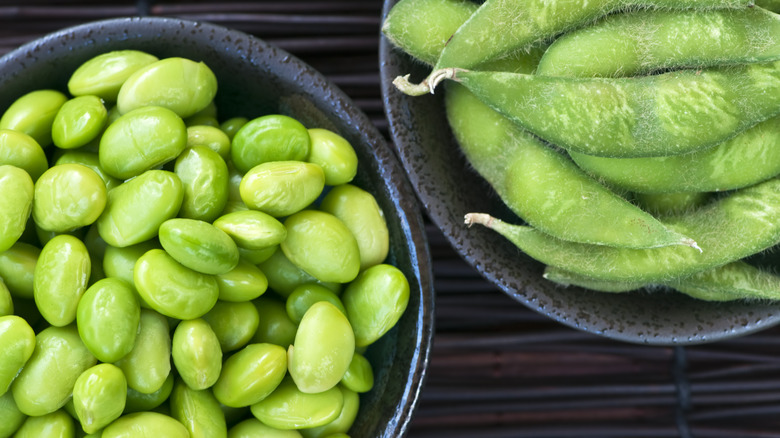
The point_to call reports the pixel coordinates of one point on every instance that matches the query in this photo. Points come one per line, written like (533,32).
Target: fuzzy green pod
(178,84)
(322,350)
(46,382)
(196,353)
(18,341)
(20,150)
(61,278)
(104,74)
(33,114)
(251,374)
(99,396)
(16,205)
(108,316)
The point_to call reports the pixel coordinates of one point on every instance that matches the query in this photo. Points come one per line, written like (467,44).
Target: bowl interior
(449,188)
(256,78)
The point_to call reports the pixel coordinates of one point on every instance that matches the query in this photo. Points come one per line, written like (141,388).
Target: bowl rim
(393,179)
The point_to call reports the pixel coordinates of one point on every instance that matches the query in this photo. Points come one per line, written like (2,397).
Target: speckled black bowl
(448,188)
(256,78)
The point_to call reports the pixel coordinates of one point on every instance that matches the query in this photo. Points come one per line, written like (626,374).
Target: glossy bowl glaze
(449,188)
(256,78)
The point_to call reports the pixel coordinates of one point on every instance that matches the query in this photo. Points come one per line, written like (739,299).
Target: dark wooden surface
(497,368)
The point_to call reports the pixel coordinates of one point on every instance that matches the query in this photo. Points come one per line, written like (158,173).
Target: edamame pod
(199,245)
(718,168)
(641,42)
(198,411)
(104,74)
(375,302)
(736,226)
(107,317)
(136,209)
(289,408)
(204,175)
(67,197)
(61,278)
(662,204)
(33,114)
(196,353)
(666,114)
(56,424)
(20,150)
(140,140)
(144,425)
(251,374)
(178,84)
(46,382)
(360,212)
(16,204)
(322,350)
(320,244)
(148,364)
(171,288)
(18,341)
(99,396)
(273,137)
(281,188)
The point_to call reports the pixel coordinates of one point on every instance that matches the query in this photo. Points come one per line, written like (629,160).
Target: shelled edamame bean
(152,248)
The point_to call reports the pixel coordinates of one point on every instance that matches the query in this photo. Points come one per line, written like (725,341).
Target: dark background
(497,368)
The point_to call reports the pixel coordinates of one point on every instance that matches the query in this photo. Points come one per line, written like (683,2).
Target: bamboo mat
(497,368)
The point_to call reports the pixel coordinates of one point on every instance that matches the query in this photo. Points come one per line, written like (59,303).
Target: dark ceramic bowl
(448,188)
(256,78)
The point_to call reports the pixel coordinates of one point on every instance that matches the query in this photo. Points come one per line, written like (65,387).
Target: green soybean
(33,114)
(198,411)
(99,396)
(272,137)
(342,423)
(173,289)
(360,375)
(136,209)
(320,244)
(140,140)
(17,268)
(361,213)
(233,323)
(108,316)
(231,126)
(322,350)
(140,402)
(145,424)
(375,302)
(275,326)
(120,262)
(252,427)
(196,353)
(11,418)
(104,74)
(641,42)
(210,137)
(284,276)
(68,196)
(16,205)
(18,341)
(20,150)
(148,364)
(199,245)
(79,121)
(46,382)
(666,114)
(281,188)
(334,154)
(542,186)
(91,160)
(251,374)
(204,176)
(305,295)
(289,408)
(252,229)
(179,84)
(6,302)
(61,278)
(726,230)
(56,424)
(245,282)
(713,169)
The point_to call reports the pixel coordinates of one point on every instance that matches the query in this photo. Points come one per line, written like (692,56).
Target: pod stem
(483,219)
(428,85)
